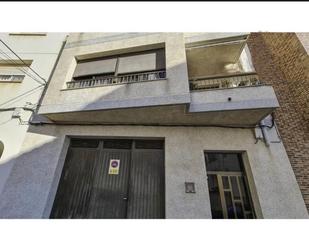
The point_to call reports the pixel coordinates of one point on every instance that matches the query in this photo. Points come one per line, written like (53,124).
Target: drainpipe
(51,74)
(265,133)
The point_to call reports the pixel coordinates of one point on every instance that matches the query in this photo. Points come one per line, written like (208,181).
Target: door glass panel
(244,193)
(216,207)
(229,205)
(225,181)
(235,189)
(239,211)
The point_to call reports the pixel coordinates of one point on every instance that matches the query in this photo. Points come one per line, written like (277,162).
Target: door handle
(125,198)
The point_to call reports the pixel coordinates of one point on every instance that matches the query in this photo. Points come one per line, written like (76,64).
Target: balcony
(116,80)
(239,96)
(11,78)
(224,85)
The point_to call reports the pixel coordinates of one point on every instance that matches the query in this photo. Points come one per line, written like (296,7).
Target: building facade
(154,125)
(21,85)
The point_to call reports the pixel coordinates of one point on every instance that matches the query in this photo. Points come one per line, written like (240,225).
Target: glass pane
(149,144)
(117,144)
(84,143)
(231,162)
(244,193)
(239,211)
(215,201)
(229,205)
(223,162)
(214,162)
(235,189)
(225,181)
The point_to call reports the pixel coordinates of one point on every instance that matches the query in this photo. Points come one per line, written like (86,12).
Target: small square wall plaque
(190,187)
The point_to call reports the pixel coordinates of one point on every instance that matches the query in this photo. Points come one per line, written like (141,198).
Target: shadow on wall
(1,149)
(26,191)
(33,178)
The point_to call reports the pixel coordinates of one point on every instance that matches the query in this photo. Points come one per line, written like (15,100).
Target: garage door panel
(91,188)
(75,186)
(146,196)
(110,190)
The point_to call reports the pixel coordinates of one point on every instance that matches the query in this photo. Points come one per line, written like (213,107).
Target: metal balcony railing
(230,81)
(120,79)
(11,78)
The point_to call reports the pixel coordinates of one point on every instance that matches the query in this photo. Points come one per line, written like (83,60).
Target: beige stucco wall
(30,190)
(43,51)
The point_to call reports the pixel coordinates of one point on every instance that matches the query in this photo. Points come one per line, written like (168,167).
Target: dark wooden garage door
(112,179)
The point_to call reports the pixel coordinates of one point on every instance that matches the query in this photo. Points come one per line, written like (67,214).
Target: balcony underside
(163,115)
(205,59)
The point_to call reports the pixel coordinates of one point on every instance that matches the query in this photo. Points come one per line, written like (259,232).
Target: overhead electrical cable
(21,95)
(19,67)
(11,60)
(7,46)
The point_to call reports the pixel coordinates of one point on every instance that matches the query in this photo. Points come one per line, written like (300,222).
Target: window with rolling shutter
(146,61)
(95,68)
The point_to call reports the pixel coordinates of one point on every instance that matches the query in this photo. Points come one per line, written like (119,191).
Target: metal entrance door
(228,189)
(112,179)
(233,194)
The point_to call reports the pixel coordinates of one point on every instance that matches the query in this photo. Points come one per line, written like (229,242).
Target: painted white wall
(43,51)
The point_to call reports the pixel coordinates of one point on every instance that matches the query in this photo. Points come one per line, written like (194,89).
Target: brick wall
(280,59)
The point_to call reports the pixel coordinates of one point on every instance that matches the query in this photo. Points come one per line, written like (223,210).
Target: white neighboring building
(18,87)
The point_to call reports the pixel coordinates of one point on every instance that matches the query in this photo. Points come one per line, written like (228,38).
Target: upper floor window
(13,71)
(125,68)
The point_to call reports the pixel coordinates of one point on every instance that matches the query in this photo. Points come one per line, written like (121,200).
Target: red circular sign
(114,164)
